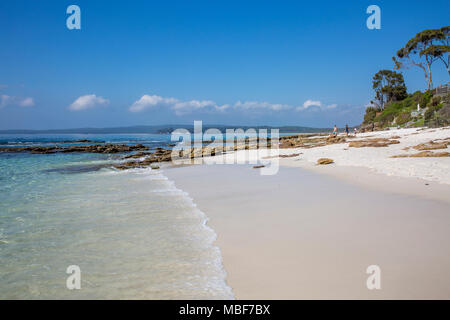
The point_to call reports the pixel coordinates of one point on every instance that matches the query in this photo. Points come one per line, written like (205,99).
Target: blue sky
(223,62)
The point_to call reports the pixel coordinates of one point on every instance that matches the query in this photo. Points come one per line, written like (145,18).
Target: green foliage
(424,99)
(420,123)
(370,115)
(438,112)
(434,101)
(392,103)
(422,50)
(430,112)
(389,86)
(403,118)
(401,110)
(441,51)
(387,116)
(443,115)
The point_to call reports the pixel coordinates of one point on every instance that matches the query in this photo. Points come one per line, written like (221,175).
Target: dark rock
(105,148)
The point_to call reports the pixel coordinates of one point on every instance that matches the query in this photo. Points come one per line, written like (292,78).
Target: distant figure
(354,130)
(335,130)
(373,126)
(346,129)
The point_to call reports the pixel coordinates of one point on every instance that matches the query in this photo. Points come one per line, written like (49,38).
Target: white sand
(378,159)
(311,234)
(303,235)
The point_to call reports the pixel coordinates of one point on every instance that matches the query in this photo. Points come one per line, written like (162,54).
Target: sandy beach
(310,232)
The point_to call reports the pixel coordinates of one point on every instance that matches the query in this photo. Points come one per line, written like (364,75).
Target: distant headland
(160,129)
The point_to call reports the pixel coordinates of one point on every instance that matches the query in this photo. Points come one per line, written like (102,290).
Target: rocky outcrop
(376,143)
(78,141)
(431,145)
(369,128)
(138,155)
(423,154)
(96,148)
(289,155)
(323,161)
(310,141)
(160,155)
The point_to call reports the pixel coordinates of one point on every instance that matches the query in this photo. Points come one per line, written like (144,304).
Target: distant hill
(161,129)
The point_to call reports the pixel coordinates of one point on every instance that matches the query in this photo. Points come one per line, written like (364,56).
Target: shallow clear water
(132,233)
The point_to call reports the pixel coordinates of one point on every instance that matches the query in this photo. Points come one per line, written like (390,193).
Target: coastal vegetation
(392,105)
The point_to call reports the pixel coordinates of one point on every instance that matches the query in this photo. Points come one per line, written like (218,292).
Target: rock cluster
(431,145)
(323,161)
(160,155)
(77,141)
(376,142)
(310,140)
(289,155)
(423,154)
(96,148)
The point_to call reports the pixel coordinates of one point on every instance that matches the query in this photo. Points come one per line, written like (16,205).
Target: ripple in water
(133,234)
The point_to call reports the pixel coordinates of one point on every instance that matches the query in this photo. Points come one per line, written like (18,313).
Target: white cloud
(147,101)
(309,103)
(315,103)
(88,101)
(180,107)
(185,107)
(27,102)
(6,100)
(261,105)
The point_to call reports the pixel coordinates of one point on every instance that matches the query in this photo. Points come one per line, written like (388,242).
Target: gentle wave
(132,232)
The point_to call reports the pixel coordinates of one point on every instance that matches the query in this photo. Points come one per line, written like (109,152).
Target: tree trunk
(426,77)
(430,82)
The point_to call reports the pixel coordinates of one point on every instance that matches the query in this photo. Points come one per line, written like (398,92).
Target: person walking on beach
(346,129)
(354,130)
(335,130)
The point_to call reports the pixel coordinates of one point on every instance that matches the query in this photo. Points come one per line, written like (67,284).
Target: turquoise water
(132,233)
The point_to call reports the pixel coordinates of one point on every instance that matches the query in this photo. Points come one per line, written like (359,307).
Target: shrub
(442,116)
(430,113)
(435,101)
(370,115)
(425,99)
(386,117)
(403,118)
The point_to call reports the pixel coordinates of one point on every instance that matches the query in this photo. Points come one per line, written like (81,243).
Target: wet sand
(301,234)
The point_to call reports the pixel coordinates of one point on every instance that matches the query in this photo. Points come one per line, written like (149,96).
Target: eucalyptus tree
(389,86)
(424,49)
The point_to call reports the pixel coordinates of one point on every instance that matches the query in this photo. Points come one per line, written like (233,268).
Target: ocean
(132,233)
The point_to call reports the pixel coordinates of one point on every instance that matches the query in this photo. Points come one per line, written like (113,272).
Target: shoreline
(280,240)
